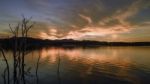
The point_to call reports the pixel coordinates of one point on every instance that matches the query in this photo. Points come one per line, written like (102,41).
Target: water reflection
(87,56)
(37,67)
(113,65)
(112,62)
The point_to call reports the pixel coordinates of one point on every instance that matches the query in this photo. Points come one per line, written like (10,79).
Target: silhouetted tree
(19,51)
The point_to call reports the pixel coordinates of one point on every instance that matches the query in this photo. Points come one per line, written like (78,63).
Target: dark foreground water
(104,65)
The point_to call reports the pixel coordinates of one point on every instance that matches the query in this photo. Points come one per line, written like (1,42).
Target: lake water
(104,65)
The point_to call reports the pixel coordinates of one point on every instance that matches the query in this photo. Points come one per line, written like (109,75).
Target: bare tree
(19,49)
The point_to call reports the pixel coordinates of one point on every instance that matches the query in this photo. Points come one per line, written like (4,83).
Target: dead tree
(19,48)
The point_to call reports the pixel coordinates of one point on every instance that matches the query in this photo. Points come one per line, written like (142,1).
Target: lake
(103,65)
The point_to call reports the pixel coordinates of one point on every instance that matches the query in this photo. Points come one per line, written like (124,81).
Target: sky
(100,20)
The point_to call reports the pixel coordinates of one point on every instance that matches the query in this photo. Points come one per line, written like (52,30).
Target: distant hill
(33,42)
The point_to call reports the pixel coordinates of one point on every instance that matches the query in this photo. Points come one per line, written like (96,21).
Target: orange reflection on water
(103,59)
(51,54)
(88,56)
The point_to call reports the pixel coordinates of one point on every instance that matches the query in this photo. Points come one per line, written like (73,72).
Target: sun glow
(88,31)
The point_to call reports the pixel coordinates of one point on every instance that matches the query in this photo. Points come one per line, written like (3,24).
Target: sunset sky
(101,20)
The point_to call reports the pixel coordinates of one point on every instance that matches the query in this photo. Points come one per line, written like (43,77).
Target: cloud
(91,31)
(146,23)
(122,15)
(80,19)
(88,19)
(98,30)
(95,31)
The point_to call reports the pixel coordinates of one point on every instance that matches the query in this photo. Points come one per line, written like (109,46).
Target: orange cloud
(88,30)
(101,28)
